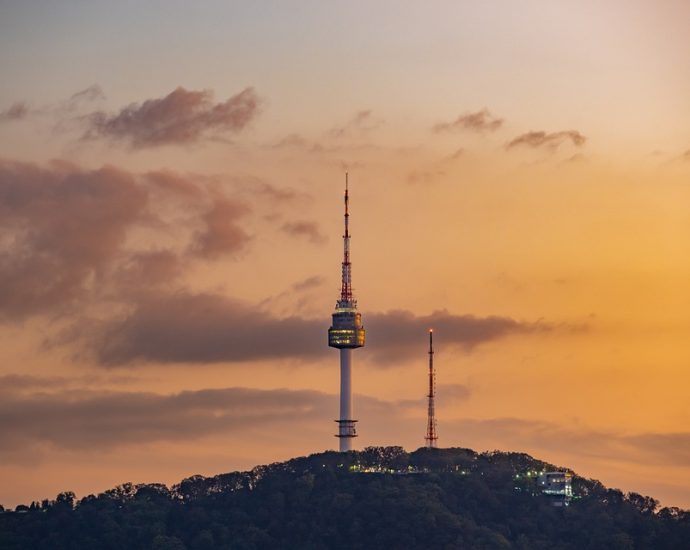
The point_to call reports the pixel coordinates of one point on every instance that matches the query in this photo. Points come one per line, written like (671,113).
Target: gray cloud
(395,334)
(222,235)
(82,419)
(97,420)
(71,418)
(63,227)
(304,228)
(151,268)
(16,111)
(181,117)
(479,121)
(671,449)
(15,384)
(546,140)
(207,328)
(64,232)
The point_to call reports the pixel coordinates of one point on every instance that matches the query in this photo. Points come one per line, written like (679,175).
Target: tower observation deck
(346,333)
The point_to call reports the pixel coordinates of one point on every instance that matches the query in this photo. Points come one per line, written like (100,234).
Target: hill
(381,497)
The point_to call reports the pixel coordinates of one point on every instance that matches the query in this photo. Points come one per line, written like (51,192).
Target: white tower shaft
(346,424)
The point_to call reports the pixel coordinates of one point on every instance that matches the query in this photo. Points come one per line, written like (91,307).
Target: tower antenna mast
(431,436)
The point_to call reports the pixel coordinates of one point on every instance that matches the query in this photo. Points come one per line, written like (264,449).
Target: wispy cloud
(362,122)
(303,228)
(16,111)
(479,121)
(551,141)
(92,93)
(182,117)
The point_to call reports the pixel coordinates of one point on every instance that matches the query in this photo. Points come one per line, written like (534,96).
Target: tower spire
(431,436)
(346,283)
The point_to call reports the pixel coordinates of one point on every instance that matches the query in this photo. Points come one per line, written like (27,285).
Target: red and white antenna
(346,285)
(431,436)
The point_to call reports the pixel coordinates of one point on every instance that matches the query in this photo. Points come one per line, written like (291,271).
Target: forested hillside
(376,498)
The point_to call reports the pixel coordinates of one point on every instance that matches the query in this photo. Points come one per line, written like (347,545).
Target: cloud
(70,237)
(16,111)
(458,153)
(79,419)
(151,268)
(362,122)
(182,117)
(479,121)
(101,420)
(446,394)
(92,93)
(290,141)
(547,140)
(209,328)
(62,228)
(205,328)
(302,228)
(72,418)
(314,281)
(221,235)
(393,335)
(424,177)
(672,449)
(21,110)
(15,384)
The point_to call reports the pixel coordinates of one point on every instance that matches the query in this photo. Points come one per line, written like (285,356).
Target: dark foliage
(376,498)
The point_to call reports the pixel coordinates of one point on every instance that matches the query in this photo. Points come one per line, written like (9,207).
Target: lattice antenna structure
(431,435)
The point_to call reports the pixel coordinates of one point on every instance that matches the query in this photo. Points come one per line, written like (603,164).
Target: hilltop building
(557,486)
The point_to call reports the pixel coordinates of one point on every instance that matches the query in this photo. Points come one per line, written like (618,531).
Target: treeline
(376,498)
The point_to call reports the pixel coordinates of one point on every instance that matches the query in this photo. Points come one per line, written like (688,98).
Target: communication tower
(431,436)
(346,333)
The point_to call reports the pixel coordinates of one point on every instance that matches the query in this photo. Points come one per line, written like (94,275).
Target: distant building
(558,486)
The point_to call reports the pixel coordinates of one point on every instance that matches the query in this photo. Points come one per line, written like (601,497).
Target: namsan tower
(431,436)
(346,333)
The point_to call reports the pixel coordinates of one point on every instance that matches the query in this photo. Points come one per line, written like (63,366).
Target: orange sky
(170,220)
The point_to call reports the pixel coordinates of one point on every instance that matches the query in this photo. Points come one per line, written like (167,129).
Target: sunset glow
(171,179)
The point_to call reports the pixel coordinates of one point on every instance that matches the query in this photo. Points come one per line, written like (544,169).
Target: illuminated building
(557,486)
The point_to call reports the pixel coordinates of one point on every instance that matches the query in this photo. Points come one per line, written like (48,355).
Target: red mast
(431,436)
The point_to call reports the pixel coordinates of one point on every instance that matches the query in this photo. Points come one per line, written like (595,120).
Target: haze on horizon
(170,218)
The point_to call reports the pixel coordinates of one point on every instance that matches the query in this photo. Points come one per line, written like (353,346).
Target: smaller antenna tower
(431,436)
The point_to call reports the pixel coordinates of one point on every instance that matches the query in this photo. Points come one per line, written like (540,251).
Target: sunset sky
(171,179)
